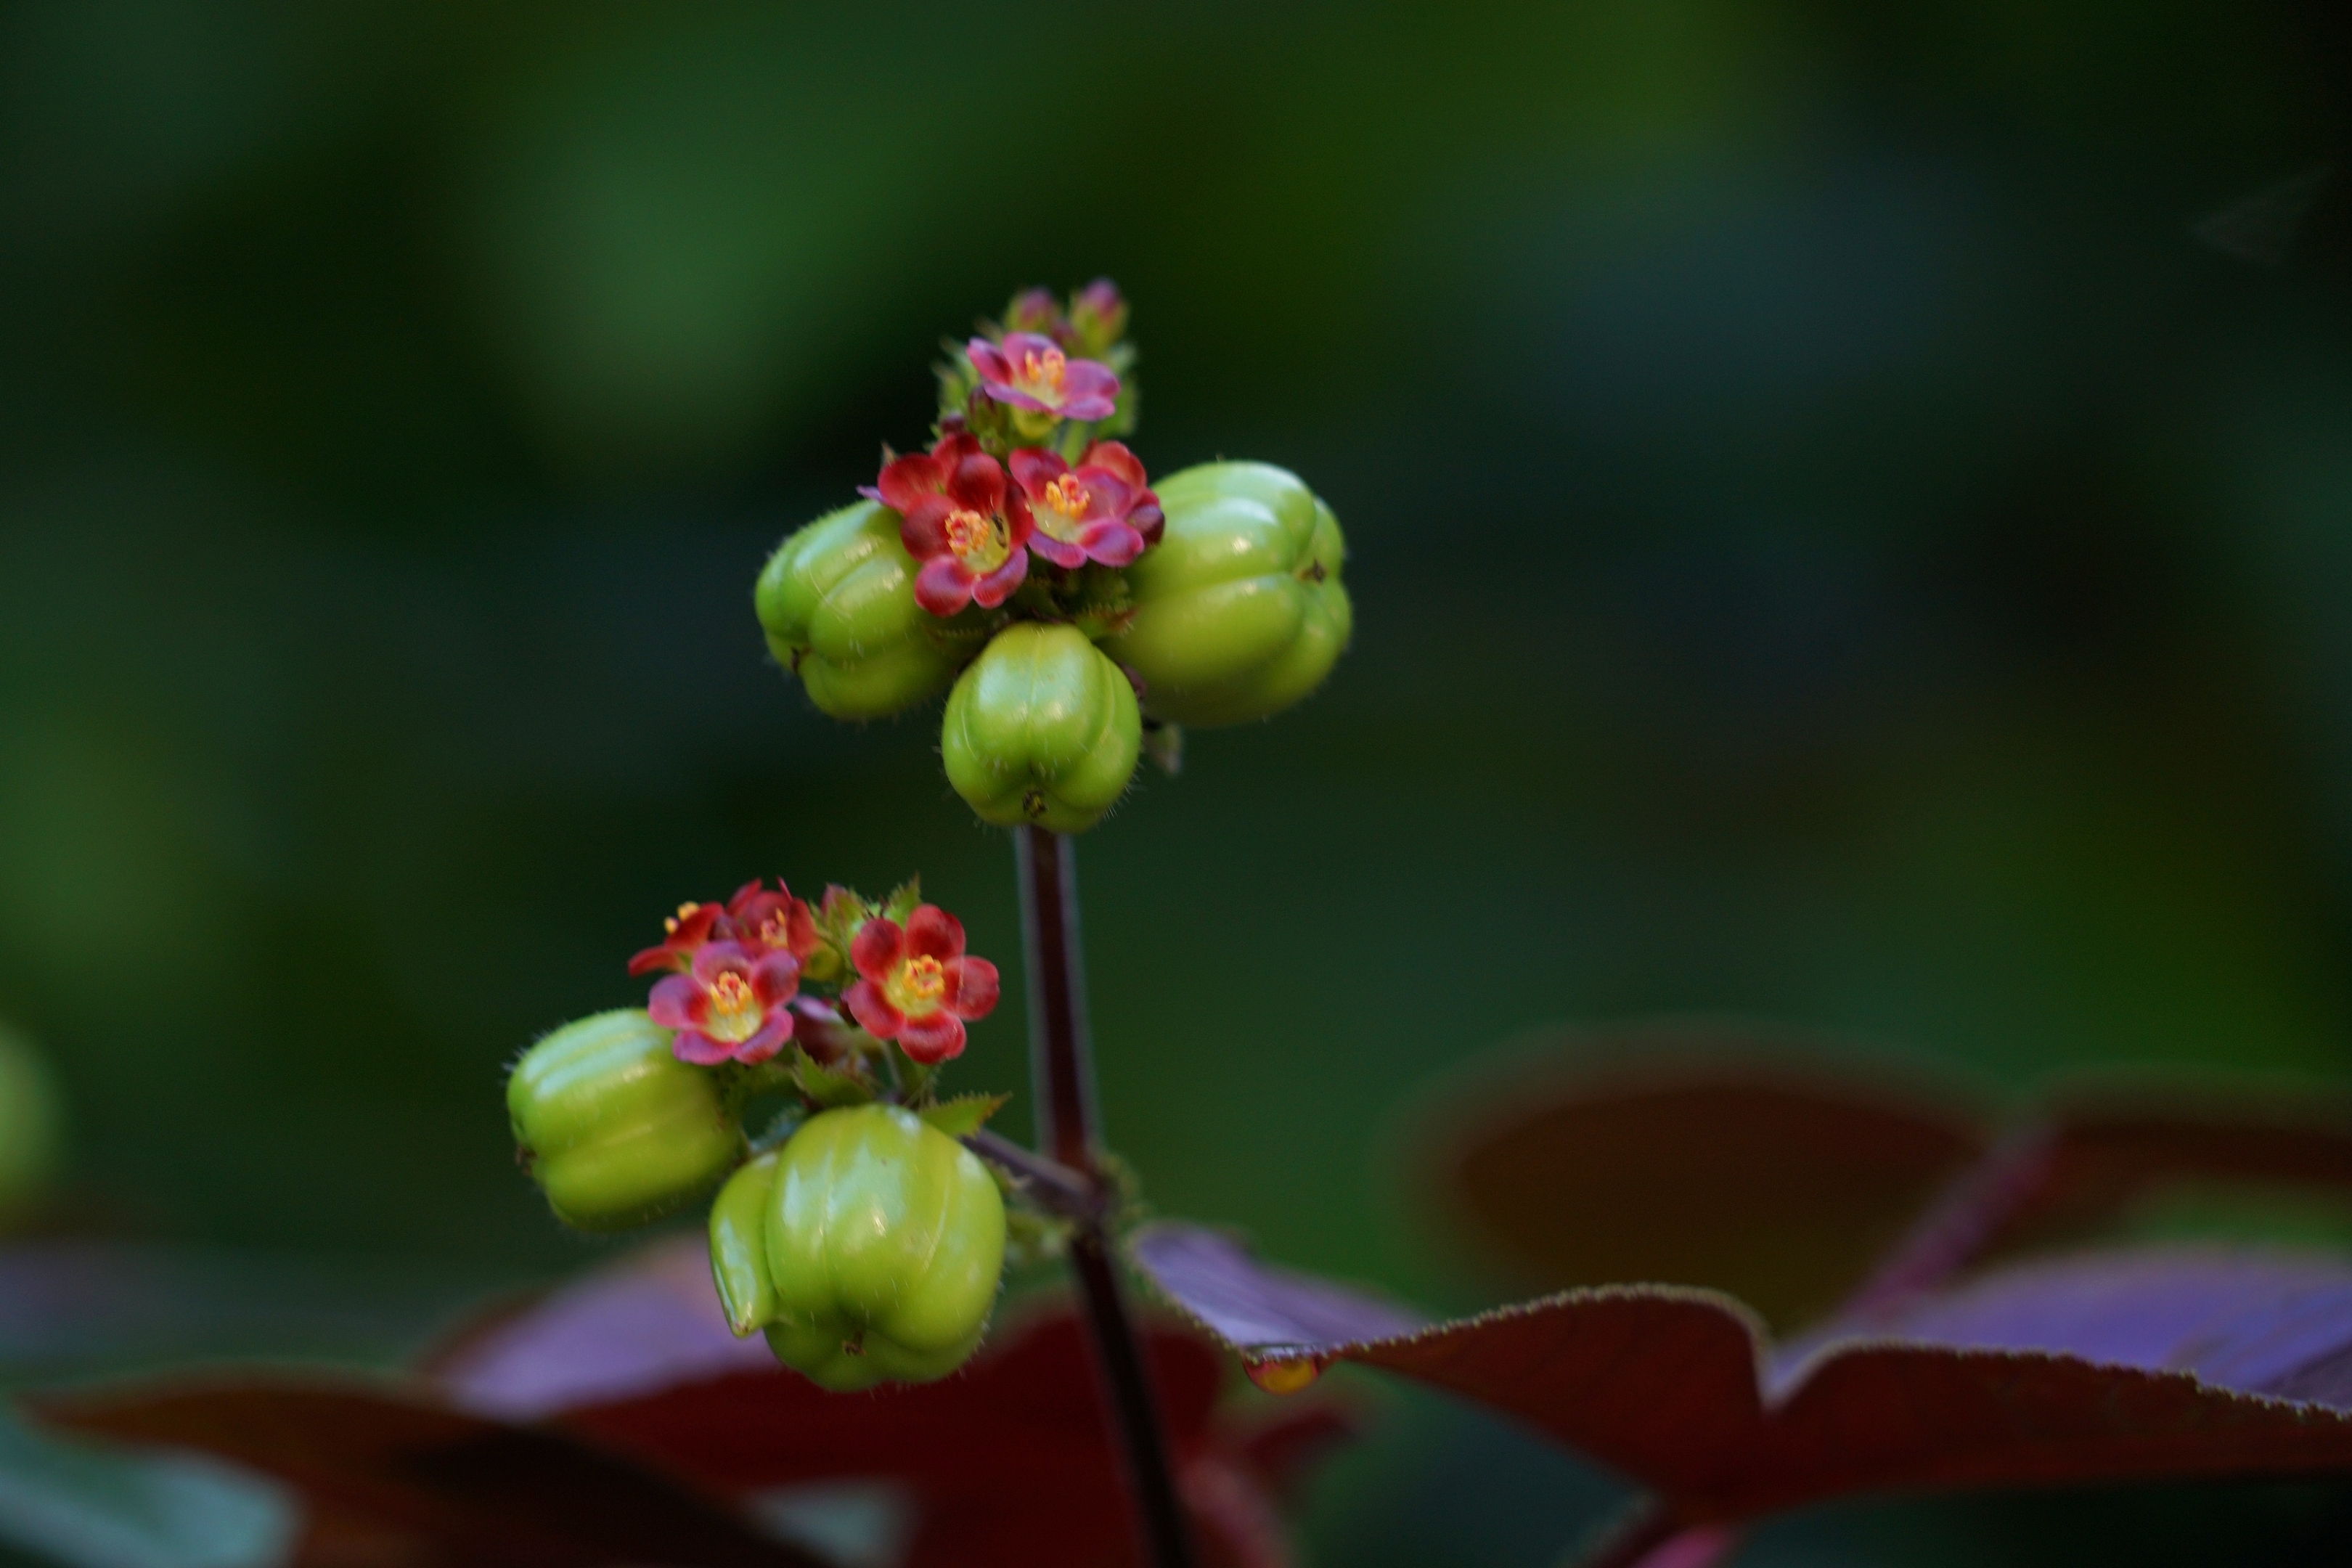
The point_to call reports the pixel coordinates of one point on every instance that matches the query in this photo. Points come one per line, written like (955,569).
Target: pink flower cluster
(731,990)
(974,532)
(734,973)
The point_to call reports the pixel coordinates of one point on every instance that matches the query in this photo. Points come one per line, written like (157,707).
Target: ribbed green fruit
(616,1131)
(837,602)
(1041,728)
(882,1245)
(1238,609)
(31,1125)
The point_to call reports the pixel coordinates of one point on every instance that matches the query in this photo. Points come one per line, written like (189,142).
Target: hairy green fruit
(1238,609)
(837,602)
(882,1245)
(616,1131)
(31,1126)
(1041,728)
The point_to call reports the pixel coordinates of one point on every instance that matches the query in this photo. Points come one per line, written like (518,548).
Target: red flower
(1079,516)
(1031,371)
(916,985)
(688,929)
(956,517)
(1143,514)
(733,1004)
(776,922)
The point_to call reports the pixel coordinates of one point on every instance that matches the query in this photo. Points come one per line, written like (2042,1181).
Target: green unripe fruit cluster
(868,1248)
(1238,609)
(31,1126)
(837,603)
(1234,614)
(1042,729)
(616,1131)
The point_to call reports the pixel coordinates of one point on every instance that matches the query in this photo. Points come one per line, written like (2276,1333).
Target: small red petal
(876,948)
(654,958)
(675,1002)
(1060,552)
(979,483)
(909,479)
(775,977)
(1034,468)
(997,586)
(987,360)
(1112,456)
(872,1010)
(1145,517)
(972,987)
(800,931)
(1112,544)
(714,958)
(933,1038)
(944,586)
(693,1045)
(953,447)
(770,1040)
(924,530)
(932,933)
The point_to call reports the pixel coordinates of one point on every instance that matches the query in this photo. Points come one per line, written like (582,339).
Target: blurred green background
(1831,543)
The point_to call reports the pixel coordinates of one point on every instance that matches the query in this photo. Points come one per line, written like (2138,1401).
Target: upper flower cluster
(731,975)
(1025,471)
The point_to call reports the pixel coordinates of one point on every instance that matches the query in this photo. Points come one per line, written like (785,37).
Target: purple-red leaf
(637,1359)
(391,1477)
(618,1420)
(1707,1155)
(2102,1368)
(1699,1154)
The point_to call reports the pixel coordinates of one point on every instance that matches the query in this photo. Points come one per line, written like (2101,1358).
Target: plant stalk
(1061,1072)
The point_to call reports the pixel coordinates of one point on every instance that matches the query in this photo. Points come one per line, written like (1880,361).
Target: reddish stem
(1060,1071)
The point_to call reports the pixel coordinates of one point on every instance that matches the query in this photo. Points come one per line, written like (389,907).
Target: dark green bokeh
(1830,543)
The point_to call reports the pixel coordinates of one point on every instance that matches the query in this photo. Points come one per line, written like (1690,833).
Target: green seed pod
(1041,728)
(885,1239)
(1238,609)
(837,601)
(616,1131)
(31,1126)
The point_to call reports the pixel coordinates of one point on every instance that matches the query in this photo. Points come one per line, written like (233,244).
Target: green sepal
(738,1245)
(903,900)
(829,1086)
(963,1114)
(1164,743)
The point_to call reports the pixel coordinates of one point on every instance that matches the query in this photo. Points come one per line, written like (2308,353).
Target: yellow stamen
(1067,496)
(776,930)
(1044,369)
(967,531)
(731,993)
(924,977)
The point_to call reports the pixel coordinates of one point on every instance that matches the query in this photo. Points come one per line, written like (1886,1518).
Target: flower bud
(837,601)
(616,1131)
(30,1126)
(1041,728)
(1238,609)
(884,1242)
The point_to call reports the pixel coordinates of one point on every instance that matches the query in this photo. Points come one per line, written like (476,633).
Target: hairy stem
(1060,1071)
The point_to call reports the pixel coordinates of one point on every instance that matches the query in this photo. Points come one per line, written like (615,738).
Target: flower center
(1042,373)
(978,542)
(919,986)
(734,1012)
(1066,495)
(776,930)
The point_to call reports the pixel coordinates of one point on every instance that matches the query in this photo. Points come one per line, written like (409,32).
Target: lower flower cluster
(1026,560)
(855,1230)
